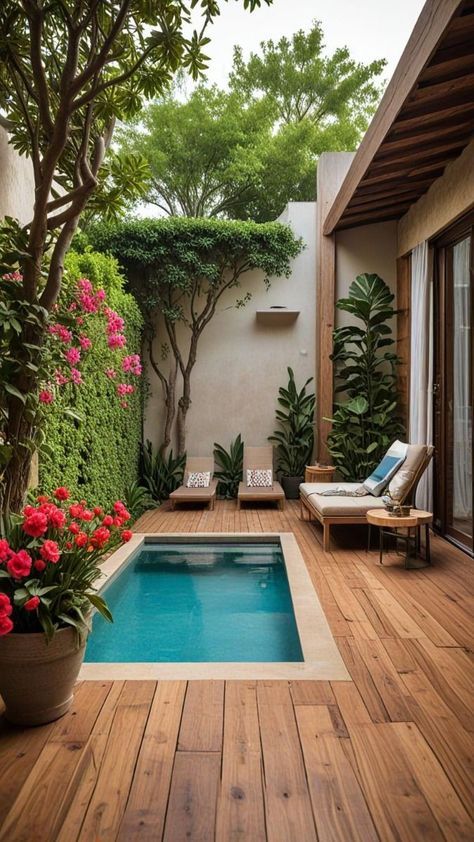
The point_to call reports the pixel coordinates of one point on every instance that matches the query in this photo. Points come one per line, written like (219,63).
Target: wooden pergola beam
(429,29)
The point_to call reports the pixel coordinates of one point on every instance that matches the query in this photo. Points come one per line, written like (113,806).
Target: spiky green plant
(161,474)
(231,466)
(295,439)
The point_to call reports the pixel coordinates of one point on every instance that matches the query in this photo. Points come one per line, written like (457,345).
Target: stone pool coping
(322,659)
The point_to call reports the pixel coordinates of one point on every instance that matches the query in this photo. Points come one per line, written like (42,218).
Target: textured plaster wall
(16,182)
(448,198)
(368,248)
(241,363)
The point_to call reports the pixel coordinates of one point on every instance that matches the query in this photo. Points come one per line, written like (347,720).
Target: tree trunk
(170,404)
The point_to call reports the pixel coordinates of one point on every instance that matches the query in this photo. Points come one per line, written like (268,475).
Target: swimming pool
(276,558)
(199,603)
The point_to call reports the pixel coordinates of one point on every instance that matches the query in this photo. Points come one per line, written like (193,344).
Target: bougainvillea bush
(95,449)
(49,562)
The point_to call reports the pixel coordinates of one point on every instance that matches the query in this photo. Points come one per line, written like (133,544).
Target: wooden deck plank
(144,814)
(240,813)
(338,802)
(191,811)
(287,802)
(203,715)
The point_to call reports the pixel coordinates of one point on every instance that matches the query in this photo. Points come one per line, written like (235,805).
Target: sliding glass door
(454,385)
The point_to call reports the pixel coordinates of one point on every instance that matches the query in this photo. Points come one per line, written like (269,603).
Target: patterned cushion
(260,478)
(199,479)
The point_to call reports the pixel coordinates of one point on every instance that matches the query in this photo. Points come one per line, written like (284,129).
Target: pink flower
(110,373)
(76,376)
(85,343)
(132,364)
(85,285)
(39,565)
(36,524)
(62,493)
(60,378)
(6,607)
(123,405)
(100,295)
(6,625)
(32,604)
(127,534)
(57,518)
(73,355)
(108,520)
(124,389)
(116,340)
(88,303)
(50,552)
(79,320)
(87,515)
(4,550)
(13,276)
(115,323)
(61,332)
(46,396)
(19,564)
(76,509)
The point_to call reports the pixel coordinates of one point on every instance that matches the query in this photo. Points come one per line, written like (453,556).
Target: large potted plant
(366,423)
(49,564)
(295,438)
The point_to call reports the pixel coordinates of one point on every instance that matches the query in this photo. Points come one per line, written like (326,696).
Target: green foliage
(161,474)
(366,424)
(204,155)
(95,450)
(295,439)
(138,499)
(231,465)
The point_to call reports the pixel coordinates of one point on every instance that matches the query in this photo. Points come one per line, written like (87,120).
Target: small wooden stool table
(319,473)
(414,521)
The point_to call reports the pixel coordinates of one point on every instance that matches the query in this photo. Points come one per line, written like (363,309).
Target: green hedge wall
(96,458)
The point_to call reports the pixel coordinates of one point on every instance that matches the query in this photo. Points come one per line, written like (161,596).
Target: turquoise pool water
(199,602)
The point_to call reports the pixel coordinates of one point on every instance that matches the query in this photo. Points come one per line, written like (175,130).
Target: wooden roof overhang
(424,121)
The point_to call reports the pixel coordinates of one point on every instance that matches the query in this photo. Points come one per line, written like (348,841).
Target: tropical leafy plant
(295,439)
(231,466)
(161,474)
(138,499)
(367,422)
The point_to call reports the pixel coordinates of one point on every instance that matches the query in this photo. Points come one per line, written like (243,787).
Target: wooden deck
(385,756)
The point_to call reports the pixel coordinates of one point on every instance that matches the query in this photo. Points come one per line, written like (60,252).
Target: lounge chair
(183,494)
(259,458)
(333,510)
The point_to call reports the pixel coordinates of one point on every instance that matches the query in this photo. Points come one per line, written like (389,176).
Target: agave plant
(161,474)
(231,466)
(295,439)
(367,422)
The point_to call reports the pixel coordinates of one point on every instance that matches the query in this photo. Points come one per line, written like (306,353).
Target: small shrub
(295,439)
(161,475)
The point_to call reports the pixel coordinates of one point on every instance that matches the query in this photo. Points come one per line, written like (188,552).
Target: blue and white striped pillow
(379,479)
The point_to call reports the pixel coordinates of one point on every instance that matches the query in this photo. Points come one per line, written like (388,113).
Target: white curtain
(421,363)
(462,411)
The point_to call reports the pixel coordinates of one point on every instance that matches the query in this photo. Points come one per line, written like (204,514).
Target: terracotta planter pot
(37,678)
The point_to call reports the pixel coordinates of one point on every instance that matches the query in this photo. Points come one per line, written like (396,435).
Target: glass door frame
(443,372)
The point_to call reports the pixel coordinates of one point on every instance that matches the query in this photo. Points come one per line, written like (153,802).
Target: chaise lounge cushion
(338,506)
(188,494)
(400,484)
(273,492)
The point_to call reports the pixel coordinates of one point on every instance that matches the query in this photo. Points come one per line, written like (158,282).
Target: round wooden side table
(412,522)
(319,473)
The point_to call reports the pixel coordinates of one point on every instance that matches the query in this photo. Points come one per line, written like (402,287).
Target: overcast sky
(370,28)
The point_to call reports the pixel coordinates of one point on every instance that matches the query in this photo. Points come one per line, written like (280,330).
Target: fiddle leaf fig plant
(294,441)
(366,423)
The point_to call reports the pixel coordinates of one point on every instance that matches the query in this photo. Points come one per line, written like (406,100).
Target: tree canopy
(180,268)
(247,152)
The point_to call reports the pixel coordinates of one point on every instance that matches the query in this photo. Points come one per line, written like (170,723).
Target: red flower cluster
(52,533)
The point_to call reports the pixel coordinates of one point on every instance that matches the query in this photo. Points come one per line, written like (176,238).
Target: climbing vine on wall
(96,454)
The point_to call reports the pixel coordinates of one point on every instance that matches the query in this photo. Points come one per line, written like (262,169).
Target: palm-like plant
(295,439)
(367,422)
(231,466)
(161,474)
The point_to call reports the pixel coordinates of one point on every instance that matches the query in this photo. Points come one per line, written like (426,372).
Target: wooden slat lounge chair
(335,510)
(196,495)
(256,458)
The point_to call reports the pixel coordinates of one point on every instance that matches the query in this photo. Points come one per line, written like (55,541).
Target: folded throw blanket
(339,491)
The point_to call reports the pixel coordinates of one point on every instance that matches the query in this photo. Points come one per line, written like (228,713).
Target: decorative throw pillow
(260,478)
(379,479)
(199,479)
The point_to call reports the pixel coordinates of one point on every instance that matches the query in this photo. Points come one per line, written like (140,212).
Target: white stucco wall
(241,362)
(368,248)
(16,182)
